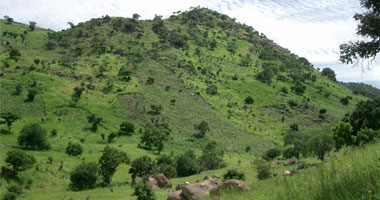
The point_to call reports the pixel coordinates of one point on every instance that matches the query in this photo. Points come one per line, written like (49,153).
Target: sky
(313,29)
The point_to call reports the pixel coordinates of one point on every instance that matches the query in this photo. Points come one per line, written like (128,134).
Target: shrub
(271,153)
(109,161)
(10,196)
(31,95)
(284,90)
(95,121)
(186,164)
(74,149)
(344,101)
(342,134)
(262,168)
(329,73)
(202,129)
(33,136)
(234,174)
(9,119)
(248,100)
(77,93)
(84,176)
(165,165)
(18,89)
(212,89)
(111,137)
(15,189)
(141,167)
(155,135)
(144,192)
(150,81)
(212,157)
(19,160)
(54,132)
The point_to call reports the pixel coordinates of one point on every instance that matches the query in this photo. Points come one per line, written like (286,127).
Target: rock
(291,161)
(196,191)
(162,181)
(136,180)
(234,184)
(153,183)
(213,182)
(176,195)
(287,173)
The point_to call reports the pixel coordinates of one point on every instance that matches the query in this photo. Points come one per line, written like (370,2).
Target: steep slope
(197,65)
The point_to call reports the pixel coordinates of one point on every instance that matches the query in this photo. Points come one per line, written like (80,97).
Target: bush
(19,160)
(263,169)
(165,165)
(329,73)
(74,149)
(150,81)
(211,158)
(18,89)
(320,144)
(284,90)
(186,164)
(109,161)
(10,196)
(248,100)
(31,95)
(144,192)
(202,129)
(234,174)
(15,189)
(95,121)
(344,101)
(33,136)
(212,89)
(84,176)
(271,153)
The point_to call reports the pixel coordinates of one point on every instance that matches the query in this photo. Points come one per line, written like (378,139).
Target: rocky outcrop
(233,184)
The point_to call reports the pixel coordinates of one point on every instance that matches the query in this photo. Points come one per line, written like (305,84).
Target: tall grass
(355,175)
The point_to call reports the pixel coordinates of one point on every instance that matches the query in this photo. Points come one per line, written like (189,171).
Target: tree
(232,47)
(109,161)
(124,74)
(51,45)
(144,192)
(329,73)
(262,168)
(9,19)
(9,119)
(322,113)
(95,121)
(32,26)
(369,30)
(14,54)
(150,81)
(141,167)
(74,149)
(77,93)
(212,157)
(33,136)
(186,164)
(233,174)
(366,115)
(19,160)
(320,144)
(202,129)
(212,89)
(18,89)
(71,24)
(135,16)
(265,75)
(126,128)
(342,134)
(166,165)
(31,95)
(344,101)
(297,144)
(155,134)
(366,135)
(84,176)
(248,100)
(271,153)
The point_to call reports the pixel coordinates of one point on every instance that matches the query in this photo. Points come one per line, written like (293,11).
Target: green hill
(363,89)
(195,66)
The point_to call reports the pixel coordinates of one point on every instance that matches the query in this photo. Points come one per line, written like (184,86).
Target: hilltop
(195,66)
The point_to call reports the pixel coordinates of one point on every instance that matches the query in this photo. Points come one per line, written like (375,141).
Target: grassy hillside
(364,89)
(198,65)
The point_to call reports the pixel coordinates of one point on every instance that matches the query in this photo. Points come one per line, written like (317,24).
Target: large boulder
(233,184)
(153,183)
(291,161)
(176,195)
(162,181)
(199,190)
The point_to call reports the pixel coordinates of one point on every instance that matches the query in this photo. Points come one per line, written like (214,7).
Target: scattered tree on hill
(32,26)
(124,74)
(344,101)
(296,142)
(366,115)
(150,81)
(298,89)
(212,89)
(31,95)
(271,153)
(141,167)
(293,127)
(9,196)
(186,164)
(202,129)
(18,89)
(9,119)
(84,176)
(320,144)
(166,165)
(369,29)
(144,192)
(77,93)
(126,128)
(233,174)
(33,136)
(263,168)
(329,73)
(74,149)
(19,160)
(109,161)
(366,135)
(9,19)
(265,75)
(156,109)
(248,100)
(95,121)
(342,134)
(71,24)
(155,135)
(212,157)
(322,113)
(14,54)
(51,45)
(232,47)
(136,16)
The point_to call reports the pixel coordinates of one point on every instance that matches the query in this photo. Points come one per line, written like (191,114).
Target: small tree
(212,157)
(212,89)
(186,164)
(262,168)
(322,113)
(9,119)
(95,121)
(33,136)
(166,165)
(109,162)
(342,134)
(234,174)
(74,149)
(329,73)
(144,192)
(155,135)
(150,81)
(32,26)
(18,89)
(31,95)
(202,129)
(135,16)
(14,54)
(84,176)
(9,19)
(141,167)
(271,153)
(77,93)
(19,160)
(126,128)
(248,100)
(71,24)
(344,101)
(231,47)
(320,144)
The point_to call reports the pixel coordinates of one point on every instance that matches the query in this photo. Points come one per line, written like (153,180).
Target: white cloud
(309,28)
